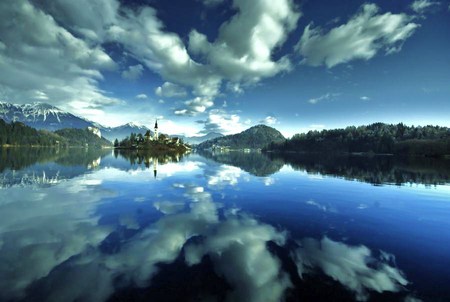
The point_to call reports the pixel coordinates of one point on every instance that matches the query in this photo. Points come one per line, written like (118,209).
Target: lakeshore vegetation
(378,138)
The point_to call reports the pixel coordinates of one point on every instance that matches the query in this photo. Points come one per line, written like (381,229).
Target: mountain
(42,116)
(195,140)
(19,134)
(123,131)
(256,137)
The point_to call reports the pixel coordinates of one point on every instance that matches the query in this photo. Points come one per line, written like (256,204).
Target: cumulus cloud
(133,72)
(43,227)
(269,120)
(221,121)
(236,243)
(362,37)
(239,252)
(223,176)
(68,67)
(142,96)
(170,90)
(49,59)
(195,106)
(421,6)
(352,266)
(244,46)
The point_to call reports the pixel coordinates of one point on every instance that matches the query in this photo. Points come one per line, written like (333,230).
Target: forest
(378,138)
(18,134)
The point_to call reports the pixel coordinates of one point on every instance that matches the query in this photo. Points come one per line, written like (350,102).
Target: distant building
(96,131)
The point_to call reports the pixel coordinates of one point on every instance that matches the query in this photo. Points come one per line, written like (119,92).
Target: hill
(19,134)
(82,138)
(256,137)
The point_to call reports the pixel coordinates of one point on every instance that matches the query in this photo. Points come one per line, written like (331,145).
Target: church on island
(156,142)
(148,135)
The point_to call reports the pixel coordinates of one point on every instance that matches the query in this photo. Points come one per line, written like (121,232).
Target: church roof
(156,124)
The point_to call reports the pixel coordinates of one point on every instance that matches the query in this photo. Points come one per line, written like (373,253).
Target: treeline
(82,138)
(163,144)
(18,134)
(377,138)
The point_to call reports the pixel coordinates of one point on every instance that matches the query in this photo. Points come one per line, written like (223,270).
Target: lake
(84,225)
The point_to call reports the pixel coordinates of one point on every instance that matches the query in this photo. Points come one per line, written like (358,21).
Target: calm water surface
(82,225)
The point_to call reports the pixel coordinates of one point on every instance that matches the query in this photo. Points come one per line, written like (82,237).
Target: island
(156,143)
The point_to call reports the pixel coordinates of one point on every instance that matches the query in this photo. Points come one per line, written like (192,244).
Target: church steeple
(156,130)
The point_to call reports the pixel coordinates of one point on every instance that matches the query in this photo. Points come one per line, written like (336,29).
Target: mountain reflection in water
(114,232)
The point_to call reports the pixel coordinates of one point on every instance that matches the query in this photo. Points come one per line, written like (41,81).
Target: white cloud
(352,266)
(421,6)
(325,97)
(223,176)
(229,241)
(49,59)
(169,207)
(269,120)
(223,122)
(365,34)
(242,53)
(170,90)
(243,49)
(142,96)
(40,95)
(195,106)
(365,98)
(133,72)
(44,227)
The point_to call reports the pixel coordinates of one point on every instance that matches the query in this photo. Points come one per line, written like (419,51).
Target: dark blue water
(222,227)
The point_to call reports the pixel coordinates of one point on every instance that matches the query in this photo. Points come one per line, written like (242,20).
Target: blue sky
(222,65)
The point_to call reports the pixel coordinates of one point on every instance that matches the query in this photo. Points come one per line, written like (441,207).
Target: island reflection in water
(203,230)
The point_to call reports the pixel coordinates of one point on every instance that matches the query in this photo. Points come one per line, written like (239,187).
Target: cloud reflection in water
(50,240)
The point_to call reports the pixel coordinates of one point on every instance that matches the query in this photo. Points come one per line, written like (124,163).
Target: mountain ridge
(44,116)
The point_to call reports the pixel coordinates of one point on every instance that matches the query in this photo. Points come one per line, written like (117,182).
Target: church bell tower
(155,137)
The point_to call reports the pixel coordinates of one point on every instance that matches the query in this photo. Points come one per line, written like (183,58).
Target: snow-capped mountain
(195,140)
(45,116)
(120,132)
(42,116)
